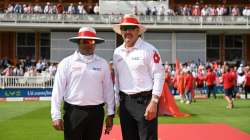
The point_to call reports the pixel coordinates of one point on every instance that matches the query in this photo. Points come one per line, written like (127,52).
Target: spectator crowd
(80,8)
(50,8)
(27,67)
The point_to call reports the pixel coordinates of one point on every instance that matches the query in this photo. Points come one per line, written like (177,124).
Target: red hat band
(86,34)
(130,20)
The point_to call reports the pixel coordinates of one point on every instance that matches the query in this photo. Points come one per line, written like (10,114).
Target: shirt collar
(79,57)
(136,46)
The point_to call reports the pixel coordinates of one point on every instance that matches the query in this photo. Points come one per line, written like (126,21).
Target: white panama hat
(86,33)
(129,19)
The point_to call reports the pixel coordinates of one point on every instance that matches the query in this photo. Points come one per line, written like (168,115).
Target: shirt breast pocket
(75,73)
(97,75)
(137,64)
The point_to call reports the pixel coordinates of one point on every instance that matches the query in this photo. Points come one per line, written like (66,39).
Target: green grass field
(31,120)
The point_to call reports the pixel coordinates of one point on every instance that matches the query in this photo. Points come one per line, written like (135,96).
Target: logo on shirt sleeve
(156,57)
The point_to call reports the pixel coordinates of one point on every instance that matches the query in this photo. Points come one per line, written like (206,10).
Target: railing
(111,19)
(26,82)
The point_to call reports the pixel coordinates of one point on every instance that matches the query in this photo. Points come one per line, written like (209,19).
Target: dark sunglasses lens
(87,42)
(125,28)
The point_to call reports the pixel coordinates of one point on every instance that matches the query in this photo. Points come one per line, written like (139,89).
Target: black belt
(67,105)
(138,95)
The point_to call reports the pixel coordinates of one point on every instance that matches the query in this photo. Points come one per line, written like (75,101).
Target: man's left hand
(109,124)
(151,111)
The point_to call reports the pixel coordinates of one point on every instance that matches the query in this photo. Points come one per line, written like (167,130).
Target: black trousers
(133,123)
(247,90)
(211,90)
(83,122)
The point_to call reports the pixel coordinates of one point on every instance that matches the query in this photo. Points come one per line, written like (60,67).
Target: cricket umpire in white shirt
(139,78)
(83,83)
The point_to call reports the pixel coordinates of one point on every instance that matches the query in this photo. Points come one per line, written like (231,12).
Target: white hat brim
(116,27)
(76,39)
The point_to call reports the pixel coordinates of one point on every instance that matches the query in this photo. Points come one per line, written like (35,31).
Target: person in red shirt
(189,85)
(228,82)
(168,77)
(210,81)
(234,75)
(247,82)
(181,85)
(59,7)
(200,81)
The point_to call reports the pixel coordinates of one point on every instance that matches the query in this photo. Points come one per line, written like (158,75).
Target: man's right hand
(58,124)
(109,124)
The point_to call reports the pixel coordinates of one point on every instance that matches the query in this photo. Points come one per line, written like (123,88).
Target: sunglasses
(128,27)
(87,42)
